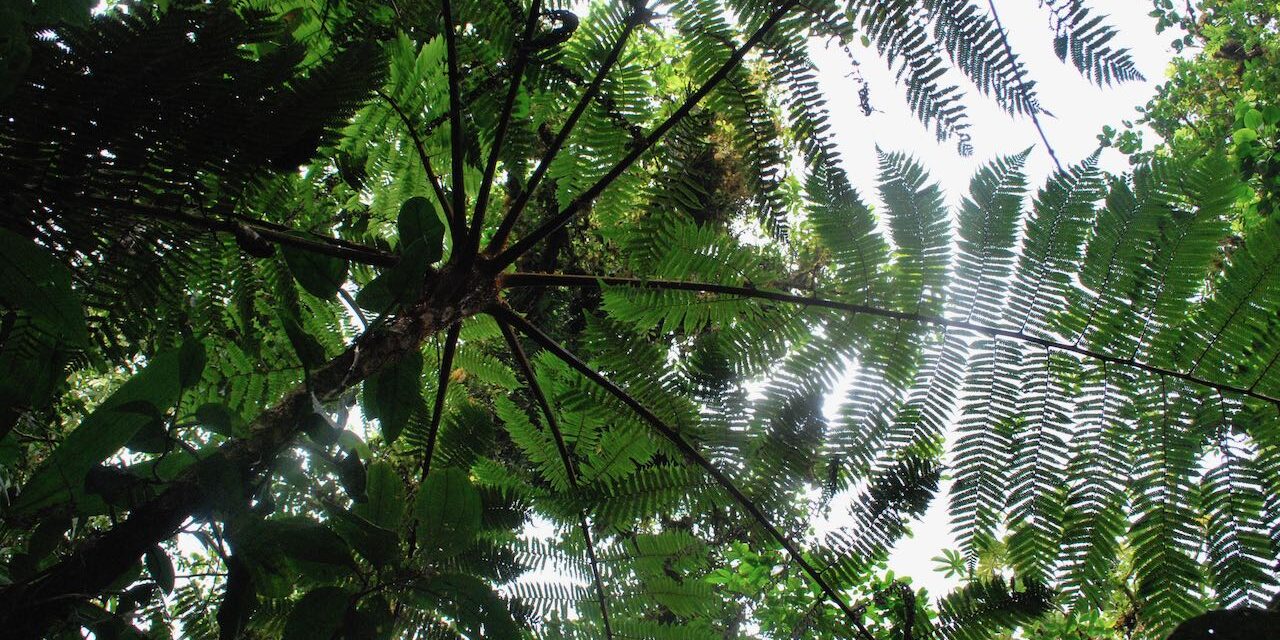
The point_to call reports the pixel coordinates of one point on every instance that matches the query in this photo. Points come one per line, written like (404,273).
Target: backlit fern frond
(1083,37)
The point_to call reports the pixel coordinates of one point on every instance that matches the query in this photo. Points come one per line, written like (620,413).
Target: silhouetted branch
(550,279)
(570,471)
(579,203)
(637,16)
(688,450)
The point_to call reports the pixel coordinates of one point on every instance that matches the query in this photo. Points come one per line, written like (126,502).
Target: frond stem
(1034,111)
(556,279)
(269,231)
(694,456)
(581,202)
(526,369)
(456,149)
(595,574)
(504,121)
(442,386)
(634,19)
(432,177)
(570,472)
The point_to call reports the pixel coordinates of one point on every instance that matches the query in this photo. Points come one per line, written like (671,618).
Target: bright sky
(1081,110)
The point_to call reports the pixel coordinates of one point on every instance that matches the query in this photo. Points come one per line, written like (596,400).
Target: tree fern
(1106,354)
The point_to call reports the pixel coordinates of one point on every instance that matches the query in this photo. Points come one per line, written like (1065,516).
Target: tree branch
(556,279)
(570,472)
(579,203)
(504,121)
(634,19)
(690,452)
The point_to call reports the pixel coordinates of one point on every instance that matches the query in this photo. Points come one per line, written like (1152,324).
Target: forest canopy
(468,319)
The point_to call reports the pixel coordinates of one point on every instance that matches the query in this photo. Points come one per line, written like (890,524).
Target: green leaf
(310,353)
(396,393)
(1242,136)
(34,282)
(385,489)
(418,221)
(379,546)
(76,12)
(469,601)
(402,283)
(1253,119)
(320,428)
(352,475)
(307,541)
(160,568)
(311,550)
(191,361)
(218,419)
(318,615)
(448,512)
(153,435)
(318,274)
(100,435)
(46,538)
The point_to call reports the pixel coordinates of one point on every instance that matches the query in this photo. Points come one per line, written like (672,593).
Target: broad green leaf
(34,282)
(352,475)
(304,540)
(218,419)
(469,601)
(153,435)
(282,550)
(396,393)
(47,536)
(318,274)
(100,435)
(318,615)
(402,283)
(50,12)
(191,361)
(1244,135)
(378,545)
(160,568)
(385,489)
(1253,119)
(418,221)
(372,620)
(448,511)
(310,353)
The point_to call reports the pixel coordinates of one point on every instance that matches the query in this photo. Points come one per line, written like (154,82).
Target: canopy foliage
(474,318)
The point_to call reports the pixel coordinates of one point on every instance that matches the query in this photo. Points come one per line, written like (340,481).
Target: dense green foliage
(270,366)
